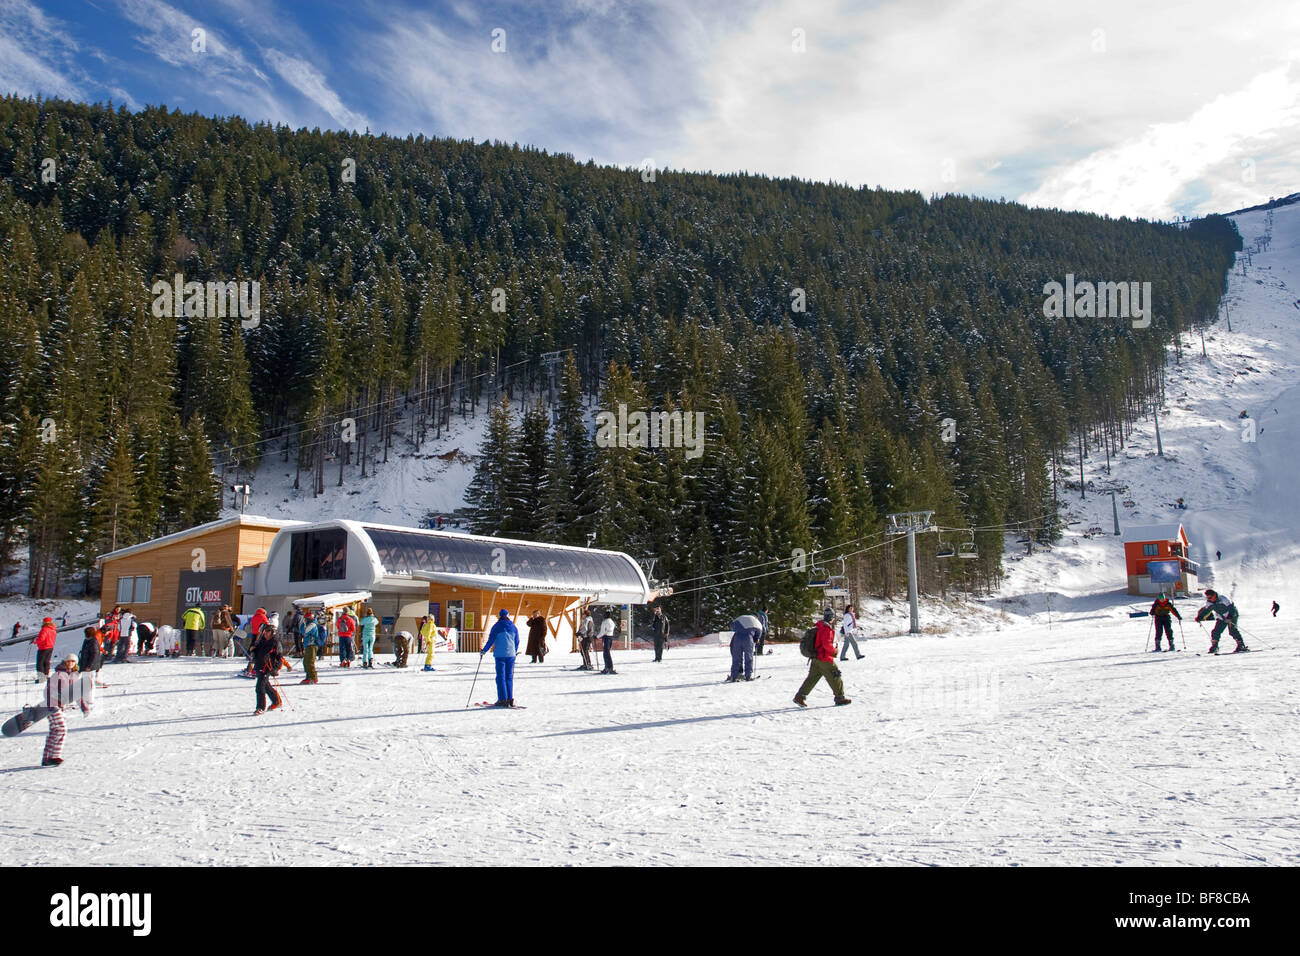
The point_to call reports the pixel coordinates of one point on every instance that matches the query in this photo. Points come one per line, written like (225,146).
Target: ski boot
(275,706)
(428,668)
(800,701)
(842,701)
(258,712)
(51,761)
(1241,647)
(1214,648)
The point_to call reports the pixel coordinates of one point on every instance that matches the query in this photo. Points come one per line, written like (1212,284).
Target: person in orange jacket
(45,648)
(824,664)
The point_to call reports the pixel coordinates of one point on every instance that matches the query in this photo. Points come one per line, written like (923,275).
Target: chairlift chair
(967,549)
(945,550)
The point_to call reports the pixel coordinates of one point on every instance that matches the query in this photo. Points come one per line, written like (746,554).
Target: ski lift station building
(1166,547)
(403,573)
(460,580)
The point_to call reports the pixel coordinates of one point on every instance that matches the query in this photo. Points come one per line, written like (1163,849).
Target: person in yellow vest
(193,621)
(429,631)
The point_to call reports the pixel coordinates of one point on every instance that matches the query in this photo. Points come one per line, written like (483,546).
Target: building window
(134,590)
(1150,550)
(318,555)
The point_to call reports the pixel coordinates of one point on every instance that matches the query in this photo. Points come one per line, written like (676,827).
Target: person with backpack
(1161,612)
(267,661)
(368,624)
(762,637)
(849,628)
(312,638)
(503,641)
(818,644)
(193,622)
(660,627)
(347,628)
(587,639)
(744,635)
(45,649)
(1225,612)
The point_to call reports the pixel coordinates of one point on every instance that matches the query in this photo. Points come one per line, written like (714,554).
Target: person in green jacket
(368,625)
(193,622)
(312,638)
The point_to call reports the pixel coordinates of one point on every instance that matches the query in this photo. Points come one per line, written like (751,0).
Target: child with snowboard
(1161,611)
(62,690)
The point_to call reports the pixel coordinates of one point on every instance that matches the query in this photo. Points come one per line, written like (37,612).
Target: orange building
(1166,546)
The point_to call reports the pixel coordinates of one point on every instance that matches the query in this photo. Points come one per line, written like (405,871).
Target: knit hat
(503,613)
(70,659)
(828,615)
(48,620)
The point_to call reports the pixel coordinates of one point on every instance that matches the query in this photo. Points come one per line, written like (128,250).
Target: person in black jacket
(1161,611)
(661,631)
(267,661)
(89,659)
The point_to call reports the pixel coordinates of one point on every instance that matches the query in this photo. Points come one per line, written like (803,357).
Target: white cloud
(308,81)
(36,53)
(1144,175)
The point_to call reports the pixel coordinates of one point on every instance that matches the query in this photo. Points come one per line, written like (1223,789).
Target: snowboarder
(661,630)
(849,628)
(63,689)
(429,634)
(192,622)
(368,623)
(1220,607)
(823,665)
(744,634)
(587,639)
(347,627)
(312,638)
(267,661)
(536,637)
(607,642)
(1276,608)
(503,641)
(45,648)
(1161,612)
(762,636)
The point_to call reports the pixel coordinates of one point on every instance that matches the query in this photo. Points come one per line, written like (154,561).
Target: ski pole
(475,681)
(1147,645)
(1181,634)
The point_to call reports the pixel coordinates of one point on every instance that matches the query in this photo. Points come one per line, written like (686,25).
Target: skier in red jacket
(824,665)
(45,648)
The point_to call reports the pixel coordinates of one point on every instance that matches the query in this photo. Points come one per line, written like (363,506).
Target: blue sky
(1115,106)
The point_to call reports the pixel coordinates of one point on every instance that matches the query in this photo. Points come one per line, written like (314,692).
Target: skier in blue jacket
(503,641)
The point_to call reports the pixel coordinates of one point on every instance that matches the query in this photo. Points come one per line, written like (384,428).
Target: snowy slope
(1241,495)
(1034,730)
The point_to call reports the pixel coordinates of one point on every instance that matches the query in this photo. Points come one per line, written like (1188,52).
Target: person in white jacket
(607,642)
(849,628)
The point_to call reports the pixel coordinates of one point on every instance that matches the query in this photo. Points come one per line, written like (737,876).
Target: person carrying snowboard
(267,661)
(849,628)
(1225,612)
(503,641)
(823,665)
(368,624)
(45,649)
(661,631)
(1161,611)
(62,690)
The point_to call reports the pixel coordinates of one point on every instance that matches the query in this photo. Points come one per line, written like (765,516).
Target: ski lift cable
(761,564)
(768,574)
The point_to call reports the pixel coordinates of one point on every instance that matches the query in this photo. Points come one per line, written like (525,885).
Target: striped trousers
(54,739)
